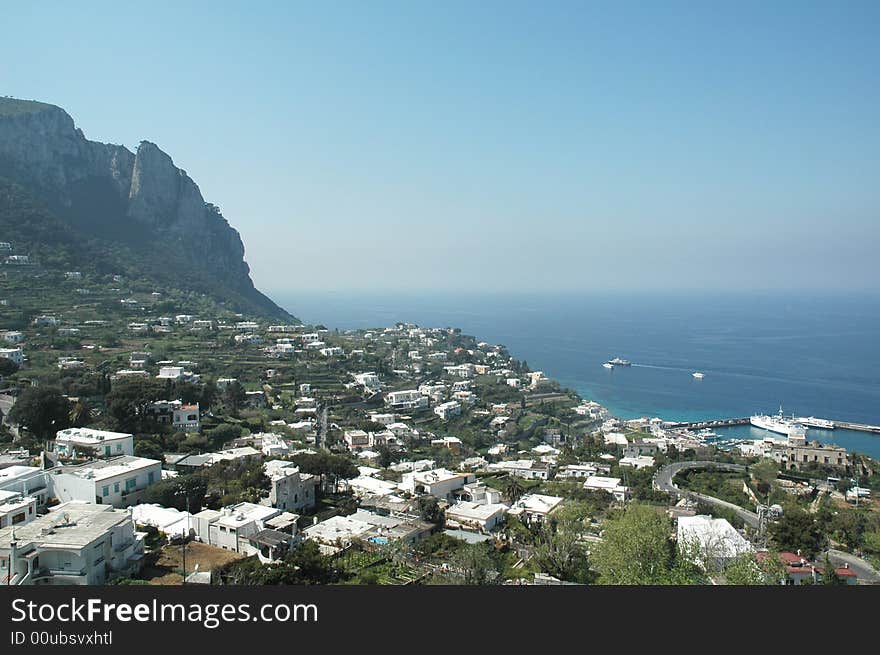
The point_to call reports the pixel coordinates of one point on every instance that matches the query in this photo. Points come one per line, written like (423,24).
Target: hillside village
(156,437)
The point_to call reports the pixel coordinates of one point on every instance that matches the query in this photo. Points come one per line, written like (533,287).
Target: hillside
(73,204)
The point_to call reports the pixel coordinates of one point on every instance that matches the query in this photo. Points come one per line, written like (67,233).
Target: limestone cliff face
(41,148)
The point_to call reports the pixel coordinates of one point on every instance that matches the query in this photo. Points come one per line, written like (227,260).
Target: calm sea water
(814,355)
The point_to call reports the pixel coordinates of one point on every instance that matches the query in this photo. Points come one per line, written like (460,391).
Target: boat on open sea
(608,365)
(617,361)
(699,375)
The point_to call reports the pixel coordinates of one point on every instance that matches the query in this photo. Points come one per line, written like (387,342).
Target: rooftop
(108,468)
(75,525)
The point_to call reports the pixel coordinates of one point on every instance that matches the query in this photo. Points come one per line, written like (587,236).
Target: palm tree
(513,488)
(80,414)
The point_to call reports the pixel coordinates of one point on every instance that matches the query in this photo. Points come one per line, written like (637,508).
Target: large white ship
(779,424)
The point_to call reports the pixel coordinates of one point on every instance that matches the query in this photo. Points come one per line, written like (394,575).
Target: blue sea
(816,355)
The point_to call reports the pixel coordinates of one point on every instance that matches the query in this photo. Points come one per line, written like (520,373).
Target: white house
(440,483)
(637,462)
(16,509)
(291,490)
(272,445)
(13,354)
(230,527)
(26,481)
(535,508)
(528,469)
(475,516)
(13,336)
(709,542)
(570,471)
(406,399)
(76,544)
(118,481)
(610,485)
(448,410)
(102,442)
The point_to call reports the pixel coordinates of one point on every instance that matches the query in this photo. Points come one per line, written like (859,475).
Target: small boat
(617,361)
(608,365)
(699,375)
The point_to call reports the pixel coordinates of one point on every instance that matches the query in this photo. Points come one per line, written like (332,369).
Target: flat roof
(88,435)
(102,469)
(76,525)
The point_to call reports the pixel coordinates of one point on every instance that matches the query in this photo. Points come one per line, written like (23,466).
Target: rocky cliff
(136,198)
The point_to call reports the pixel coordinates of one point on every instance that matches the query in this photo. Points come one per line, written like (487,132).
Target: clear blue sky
(494,145)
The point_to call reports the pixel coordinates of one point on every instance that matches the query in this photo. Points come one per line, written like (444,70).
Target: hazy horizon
(501,147)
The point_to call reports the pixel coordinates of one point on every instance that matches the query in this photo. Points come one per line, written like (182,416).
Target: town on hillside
(156,437)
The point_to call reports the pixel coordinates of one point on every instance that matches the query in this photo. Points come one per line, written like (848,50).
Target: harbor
(730,422)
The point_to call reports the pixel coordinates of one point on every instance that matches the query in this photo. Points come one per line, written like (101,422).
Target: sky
(494,146)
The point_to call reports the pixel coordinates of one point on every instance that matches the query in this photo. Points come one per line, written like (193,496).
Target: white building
(407,399)
(272,445)
(13,336)
(168,520)
(570,471)
(440,483)
(16,509)
(475,516)
(230,527)
(101,442)
(637,462)
(118,481)
(13,354)
(710,543)
(535,508)
(610,485)
(76,544)
(448,410)
(26,481)
(291,490)
(528,469)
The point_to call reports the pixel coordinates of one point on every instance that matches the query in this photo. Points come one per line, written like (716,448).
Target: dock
(728,422)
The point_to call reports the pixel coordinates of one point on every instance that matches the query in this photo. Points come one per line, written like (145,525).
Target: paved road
(663,482)
(860,567)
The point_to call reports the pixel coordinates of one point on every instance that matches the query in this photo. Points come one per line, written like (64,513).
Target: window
(116,487)
(119,448)
(18,518)
(151,477)
(106,450)
(99,560)
(105,491)
(130,484)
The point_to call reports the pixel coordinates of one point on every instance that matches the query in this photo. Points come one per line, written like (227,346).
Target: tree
(829,575)
(797,531)
(430,510)
(42,410)
(80,414)
(182,492)
(750,570)
(128,400)
(559,548)
(473,565)
(637,549)
(327,465)
(513,488)
(7,367)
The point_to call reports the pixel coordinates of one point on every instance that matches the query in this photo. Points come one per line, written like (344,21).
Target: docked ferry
(813,422)
(779,424)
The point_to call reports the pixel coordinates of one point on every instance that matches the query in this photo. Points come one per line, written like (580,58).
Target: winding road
(663,482)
